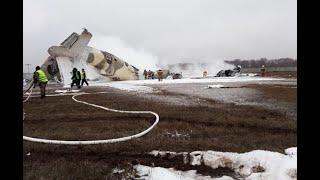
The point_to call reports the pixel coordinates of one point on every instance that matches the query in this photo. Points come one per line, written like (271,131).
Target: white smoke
(137,57)
(191,69)
(141,59)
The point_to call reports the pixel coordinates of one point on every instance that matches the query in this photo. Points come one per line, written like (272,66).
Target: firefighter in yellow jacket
(42,79)
(84,78)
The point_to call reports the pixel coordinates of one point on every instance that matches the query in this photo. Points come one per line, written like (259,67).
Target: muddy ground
(206,124)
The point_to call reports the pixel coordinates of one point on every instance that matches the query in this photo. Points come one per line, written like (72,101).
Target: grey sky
(169,30)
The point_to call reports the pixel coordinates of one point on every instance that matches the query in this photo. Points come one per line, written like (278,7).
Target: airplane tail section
(77,45)
(68,43)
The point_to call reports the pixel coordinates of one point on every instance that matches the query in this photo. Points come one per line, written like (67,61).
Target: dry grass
(220,127)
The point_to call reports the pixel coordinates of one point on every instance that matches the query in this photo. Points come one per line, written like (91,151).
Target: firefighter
(263,70)
(149,74)
(76,78)
(205,73)
(35,79)
(152,75)
(84,78)
(145,73)
(160,74)
(42,79)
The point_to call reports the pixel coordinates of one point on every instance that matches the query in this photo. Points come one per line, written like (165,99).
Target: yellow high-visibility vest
(42,76)
(82,75)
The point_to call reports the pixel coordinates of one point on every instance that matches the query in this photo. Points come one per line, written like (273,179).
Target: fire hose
(90,142)
(30,87)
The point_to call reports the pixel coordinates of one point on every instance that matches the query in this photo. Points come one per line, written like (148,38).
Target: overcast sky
(165,30)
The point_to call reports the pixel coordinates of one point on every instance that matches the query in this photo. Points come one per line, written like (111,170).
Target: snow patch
(123,85)
(66,90)
(207,80)
(139,85)
(129,87)
(291,151)
(196,158)
(159,173)
(254,165)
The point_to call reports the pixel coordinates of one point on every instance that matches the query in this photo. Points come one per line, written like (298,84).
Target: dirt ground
(211,125)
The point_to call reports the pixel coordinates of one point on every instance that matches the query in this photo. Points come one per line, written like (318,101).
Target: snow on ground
(141,85)
(129,87)
(204,80)
(159,173)
(254,165)
(66,90)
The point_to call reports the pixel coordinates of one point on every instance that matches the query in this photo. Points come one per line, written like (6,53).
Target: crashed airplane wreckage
(230,72)
(74,52)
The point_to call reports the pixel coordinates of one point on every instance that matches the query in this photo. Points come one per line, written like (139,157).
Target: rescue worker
(152,74)
(205,73)
(84,78)
(42,79)
(263,70)
(76,78)
(149,74)
(145,73)
(35,82)
(160,74)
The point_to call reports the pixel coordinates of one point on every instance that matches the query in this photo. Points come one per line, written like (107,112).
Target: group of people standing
(78,77)
(40,78)
(150,74)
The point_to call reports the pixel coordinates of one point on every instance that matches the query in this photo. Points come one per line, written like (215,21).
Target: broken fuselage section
(74,52)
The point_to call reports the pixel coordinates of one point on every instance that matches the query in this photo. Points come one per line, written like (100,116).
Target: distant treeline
(282,62)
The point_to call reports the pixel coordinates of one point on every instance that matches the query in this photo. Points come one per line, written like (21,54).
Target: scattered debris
(214,86)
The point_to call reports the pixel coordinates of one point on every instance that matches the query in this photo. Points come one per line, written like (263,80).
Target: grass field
(209,126)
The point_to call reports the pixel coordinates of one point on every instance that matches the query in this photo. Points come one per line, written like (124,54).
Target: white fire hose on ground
(106,141)
(30,87)
(28,95)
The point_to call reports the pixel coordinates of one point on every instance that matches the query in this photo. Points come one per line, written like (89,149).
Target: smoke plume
(137,57)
